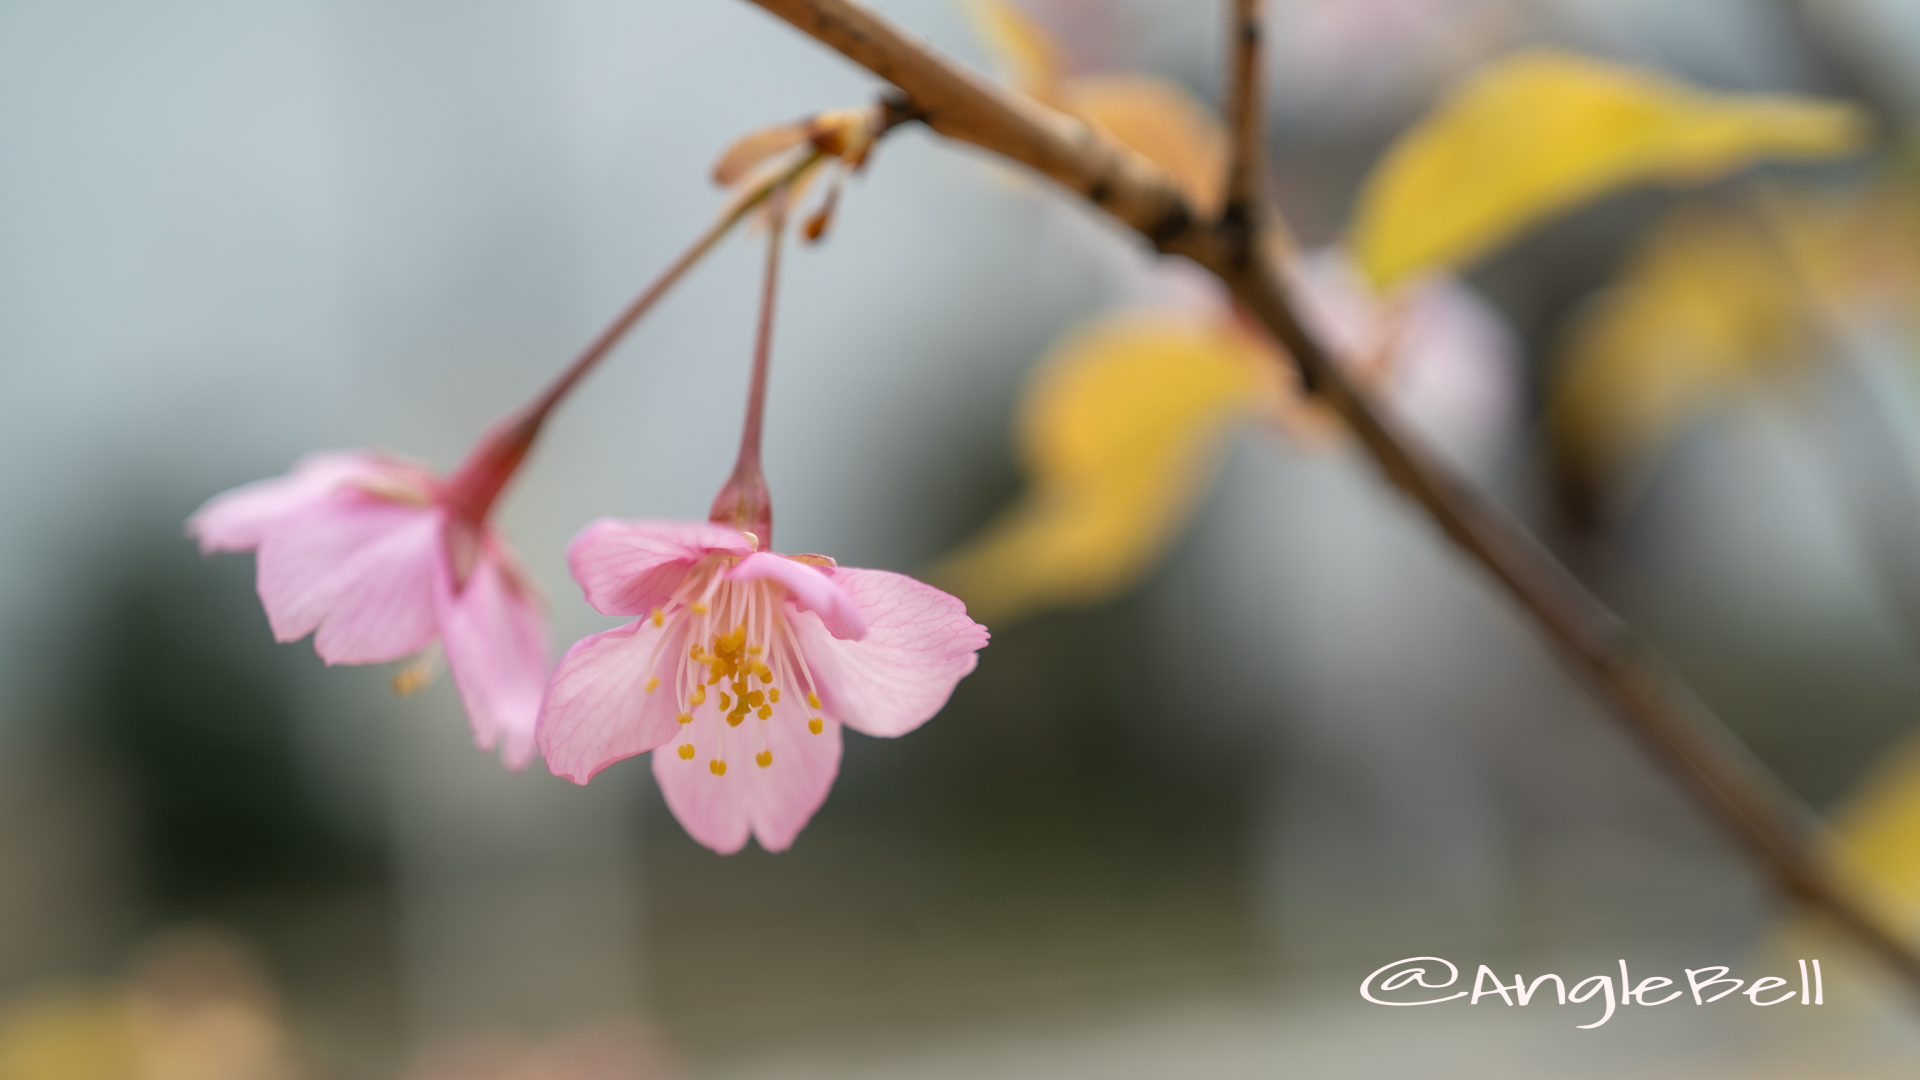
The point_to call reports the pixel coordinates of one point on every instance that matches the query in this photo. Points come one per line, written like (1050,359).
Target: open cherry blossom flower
(740,671)
(378,558)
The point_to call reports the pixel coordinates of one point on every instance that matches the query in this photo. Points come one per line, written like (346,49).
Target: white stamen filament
(734,652)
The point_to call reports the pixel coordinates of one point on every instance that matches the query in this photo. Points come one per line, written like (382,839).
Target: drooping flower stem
(474,486)
(743,502)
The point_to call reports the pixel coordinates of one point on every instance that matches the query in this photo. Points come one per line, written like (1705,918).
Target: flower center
(740,659)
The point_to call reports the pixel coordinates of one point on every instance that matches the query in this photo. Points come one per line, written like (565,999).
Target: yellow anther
(414,677)
(814,725)
(686,751)
(685,718)
(698,697)
(773,695)
(714,680)
(725,701)
(764,758)
(699,609)
(717,767)
(734,718)
(756,699)
(653,683)
(813,699)
(755,650)
(766,712)
(658,619)
(740,687)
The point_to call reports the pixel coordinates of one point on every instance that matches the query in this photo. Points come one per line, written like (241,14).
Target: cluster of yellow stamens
(746,663)
(737,663)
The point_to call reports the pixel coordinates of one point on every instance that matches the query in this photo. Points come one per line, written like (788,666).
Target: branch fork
(1622,673)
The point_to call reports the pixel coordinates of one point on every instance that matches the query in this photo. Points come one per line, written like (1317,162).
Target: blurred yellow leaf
(1858,250)
(1539,132)
(1707,302)
(1031,55)
(196,1009)
(1873,847)
(1115,435)
(1878,831)
(1159,119)
(1165,123)
(67,1035)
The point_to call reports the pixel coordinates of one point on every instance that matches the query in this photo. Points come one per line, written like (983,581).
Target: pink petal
(713,809)
(773,802)
(236,520)
(632,567)
(597,709)
(810,589)
(1456,375)
(784,795)
(919,645)
(361,569)
(496,641)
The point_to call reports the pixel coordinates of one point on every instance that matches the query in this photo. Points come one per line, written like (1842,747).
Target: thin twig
(1621,672)
(1246,126)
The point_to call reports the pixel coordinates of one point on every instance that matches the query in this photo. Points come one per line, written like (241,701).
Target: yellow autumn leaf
(1029,52)
(1706,303)
(1539,132)
(1165,123)
(67,1035)
(1872,847)
(1878,832)
(1115,434)
(1161,120)
(1857,250)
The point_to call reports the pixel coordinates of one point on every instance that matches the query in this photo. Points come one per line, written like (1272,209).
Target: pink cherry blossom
(740,670)
(378,558)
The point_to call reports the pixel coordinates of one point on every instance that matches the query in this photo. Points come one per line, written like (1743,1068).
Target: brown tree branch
(1617,669)
(1246,127)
